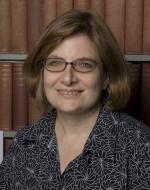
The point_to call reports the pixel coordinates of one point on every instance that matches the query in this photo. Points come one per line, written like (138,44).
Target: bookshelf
(21,57)
(128,20)
(1,145)
(12,57)
(131,29)
(9,134)
(137,58)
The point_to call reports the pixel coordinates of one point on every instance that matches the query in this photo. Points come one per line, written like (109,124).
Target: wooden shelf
(137,58)
(133,58)
(9,134)
(12,57)
(22,56)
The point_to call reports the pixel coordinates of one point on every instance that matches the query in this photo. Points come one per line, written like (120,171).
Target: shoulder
(133,136)
(130,123)
(36,132)
(133,140)
(126,121)
(29,145)
(126,128)
(31,140)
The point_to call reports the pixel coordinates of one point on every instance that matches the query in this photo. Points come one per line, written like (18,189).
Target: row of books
(139,104)
(22,21)
(18,109)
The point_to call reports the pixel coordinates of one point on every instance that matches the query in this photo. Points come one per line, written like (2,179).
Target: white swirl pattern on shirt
(116,156)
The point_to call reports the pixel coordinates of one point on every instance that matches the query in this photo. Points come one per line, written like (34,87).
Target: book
(1,145)
(115,19)
(146,27)
(19,97)
(145,94)
(7,143)
(18,26)
(5,24)
(134,26)
(133,106)
(33,22)
(64,6)
(98,6)
(82,4)
(5,96)
(48,12)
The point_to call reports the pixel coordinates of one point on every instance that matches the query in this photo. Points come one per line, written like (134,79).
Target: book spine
(33,22)
(1,146)
(7,143)
(33,112)
(64,6)
(5,24)
(6,96)
(115,18)
(98,6)
(134,72)
(145,94)
(146,28)
(82,4)
(19,97)
(48,12)
(18,26)
(134,26)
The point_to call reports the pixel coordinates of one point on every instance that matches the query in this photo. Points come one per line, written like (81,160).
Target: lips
(65,92)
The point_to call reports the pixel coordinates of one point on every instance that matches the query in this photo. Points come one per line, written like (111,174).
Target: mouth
(64,92)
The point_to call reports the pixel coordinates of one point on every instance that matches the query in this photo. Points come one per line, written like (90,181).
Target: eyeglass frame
(72,64)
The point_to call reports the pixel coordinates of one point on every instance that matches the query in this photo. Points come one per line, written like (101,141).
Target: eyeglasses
(80,65)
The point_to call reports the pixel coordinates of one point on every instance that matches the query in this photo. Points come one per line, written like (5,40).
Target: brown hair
(64,26)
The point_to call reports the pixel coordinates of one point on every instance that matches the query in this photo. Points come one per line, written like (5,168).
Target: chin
(69,110)
(74,110)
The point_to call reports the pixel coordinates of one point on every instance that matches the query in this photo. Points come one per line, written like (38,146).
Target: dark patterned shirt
(116,156)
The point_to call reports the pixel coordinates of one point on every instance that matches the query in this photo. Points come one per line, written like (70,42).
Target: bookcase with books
(22,22)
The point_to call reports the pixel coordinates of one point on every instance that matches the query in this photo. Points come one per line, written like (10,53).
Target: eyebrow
(81,58)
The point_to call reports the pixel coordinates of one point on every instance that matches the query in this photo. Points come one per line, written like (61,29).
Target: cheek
(97,89)
(96,83)
(47,84)
(48,79)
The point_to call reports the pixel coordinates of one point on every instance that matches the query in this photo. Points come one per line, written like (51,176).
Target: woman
(78,74)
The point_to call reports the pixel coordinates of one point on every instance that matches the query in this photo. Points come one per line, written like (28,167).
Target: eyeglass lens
(79,65)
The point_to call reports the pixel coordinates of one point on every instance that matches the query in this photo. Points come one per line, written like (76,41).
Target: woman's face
(70,91)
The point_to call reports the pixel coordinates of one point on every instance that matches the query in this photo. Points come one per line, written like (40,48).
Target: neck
(76,124)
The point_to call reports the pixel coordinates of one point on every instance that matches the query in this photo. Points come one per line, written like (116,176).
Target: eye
(54,62)
(86,64)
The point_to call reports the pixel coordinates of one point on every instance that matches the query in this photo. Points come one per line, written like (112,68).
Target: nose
(69,76)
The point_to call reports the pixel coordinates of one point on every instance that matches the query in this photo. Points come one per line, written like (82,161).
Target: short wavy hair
(73,23)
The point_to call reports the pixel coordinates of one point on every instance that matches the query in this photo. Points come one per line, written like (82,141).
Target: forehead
(76,46)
